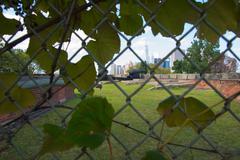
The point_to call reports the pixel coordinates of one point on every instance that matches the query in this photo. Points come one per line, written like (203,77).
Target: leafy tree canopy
(201,53)
(15,61)
(157,70)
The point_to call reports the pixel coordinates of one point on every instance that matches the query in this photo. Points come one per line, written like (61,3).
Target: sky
(158,46)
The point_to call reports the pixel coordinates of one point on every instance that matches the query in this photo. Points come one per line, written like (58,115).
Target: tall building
(152,59)
(113,69)
(119,70)
(147,54)
(176,55)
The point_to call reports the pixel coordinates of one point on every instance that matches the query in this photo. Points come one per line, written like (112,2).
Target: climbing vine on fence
(103,21)
(89,126)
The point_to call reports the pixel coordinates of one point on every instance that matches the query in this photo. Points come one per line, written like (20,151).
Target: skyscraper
(119,70)
(147,54)
(113,69)
(152,59)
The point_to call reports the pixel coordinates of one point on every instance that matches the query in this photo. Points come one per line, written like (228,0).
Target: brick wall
(226,87)
(213,76)
(58,97)
(227,83)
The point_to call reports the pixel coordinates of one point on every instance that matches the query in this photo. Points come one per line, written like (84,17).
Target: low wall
(62,95)
(215,76)
(226,83)
(176,76)
(226,87)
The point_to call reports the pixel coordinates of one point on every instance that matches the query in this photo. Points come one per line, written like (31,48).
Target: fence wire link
(27,118)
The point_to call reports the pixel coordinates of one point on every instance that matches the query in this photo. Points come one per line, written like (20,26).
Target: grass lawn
(223,133)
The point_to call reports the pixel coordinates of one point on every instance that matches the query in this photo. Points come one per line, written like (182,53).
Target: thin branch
(110,148)
(56,58)
(43,27)
(170,143)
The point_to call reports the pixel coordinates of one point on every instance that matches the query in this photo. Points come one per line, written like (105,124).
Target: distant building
(224,64)
(156,60)
(120,70)
(113,69)
(176,55)
(147,55)
(164,64)
(126,67)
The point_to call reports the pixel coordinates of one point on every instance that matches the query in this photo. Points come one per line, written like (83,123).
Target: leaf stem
(174,134)
(110,148)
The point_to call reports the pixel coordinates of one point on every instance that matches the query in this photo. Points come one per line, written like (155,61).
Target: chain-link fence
(137,127)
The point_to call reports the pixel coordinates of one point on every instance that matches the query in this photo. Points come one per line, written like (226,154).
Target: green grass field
(223,133)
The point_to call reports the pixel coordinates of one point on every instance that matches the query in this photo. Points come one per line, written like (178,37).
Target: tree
(159,69)
(139,65)
(126,16)
(201,53)
(142,66)
(15,61)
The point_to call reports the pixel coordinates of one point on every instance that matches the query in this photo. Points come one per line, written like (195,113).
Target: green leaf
(172,119)
(130,20)
(89,19)
(42,43)
(87,140)
(171,17)
(222,15)
(8,26)
(83,73)
(198,112)
(81,2)
(106,44)
(23,97)
(135,22)
(45,57)
(45,6)
(89,126)
(188,108)
(154,155)
(91,122)
(55,140)
(47,37)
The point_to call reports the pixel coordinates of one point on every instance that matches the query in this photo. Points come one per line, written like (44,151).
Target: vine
(90,123)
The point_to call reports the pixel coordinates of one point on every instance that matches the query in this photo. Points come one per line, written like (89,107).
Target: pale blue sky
(160,46)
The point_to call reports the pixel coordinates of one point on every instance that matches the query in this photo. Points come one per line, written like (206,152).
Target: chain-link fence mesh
(136,129)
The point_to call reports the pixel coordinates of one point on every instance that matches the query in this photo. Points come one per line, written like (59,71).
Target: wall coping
(209,76)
